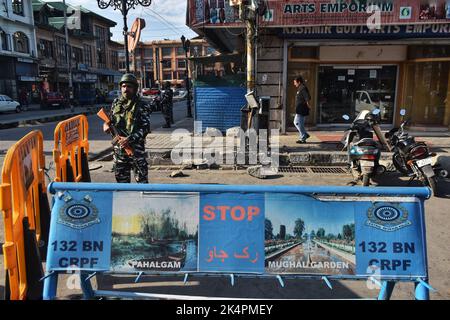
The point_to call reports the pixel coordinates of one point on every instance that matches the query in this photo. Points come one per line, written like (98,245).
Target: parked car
(179,94)
(54,99)
(153,92)
(112,95)
(367,100)
(146,91)
(8,104)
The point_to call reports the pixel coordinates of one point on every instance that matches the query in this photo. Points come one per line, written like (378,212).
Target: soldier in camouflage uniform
(132,119)
(167,104)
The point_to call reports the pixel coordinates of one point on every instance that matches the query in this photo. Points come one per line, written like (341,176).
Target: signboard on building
(363,32)
(322,12)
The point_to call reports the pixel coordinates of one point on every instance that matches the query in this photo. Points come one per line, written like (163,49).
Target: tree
(348,232)
(299,228)
(268,230)
(320,233)
(312,235)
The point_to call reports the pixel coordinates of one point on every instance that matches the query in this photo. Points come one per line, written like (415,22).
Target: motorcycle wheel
(366,180)
(432,183)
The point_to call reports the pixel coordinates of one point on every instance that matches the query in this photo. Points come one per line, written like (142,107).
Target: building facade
(155,62)
(353,57)
(18,51)
(93,56)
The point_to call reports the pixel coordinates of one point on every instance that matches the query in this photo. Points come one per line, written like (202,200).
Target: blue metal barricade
(304,232)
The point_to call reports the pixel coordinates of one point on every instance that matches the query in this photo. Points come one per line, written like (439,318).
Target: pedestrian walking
(302,108)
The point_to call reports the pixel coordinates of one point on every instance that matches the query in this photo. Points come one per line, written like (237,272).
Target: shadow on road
(221,287)
(394,179)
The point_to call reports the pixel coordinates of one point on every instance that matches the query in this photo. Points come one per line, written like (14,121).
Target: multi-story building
(93,56)
(165,60)
(18,55)
(394,56)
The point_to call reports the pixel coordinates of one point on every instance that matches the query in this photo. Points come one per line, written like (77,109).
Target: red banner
(214,13)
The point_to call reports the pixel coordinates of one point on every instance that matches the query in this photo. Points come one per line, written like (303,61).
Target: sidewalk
(35,114)
(323,148)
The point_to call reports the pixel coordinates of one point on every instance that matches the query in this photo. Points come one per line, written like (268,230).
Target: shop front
(345,80)
(391,57)
(84,87)
(349,79)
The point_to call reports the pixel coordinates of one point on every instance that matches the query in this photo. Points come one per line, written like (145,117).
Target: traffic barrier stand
(71,149)
(24,203)
(375,235)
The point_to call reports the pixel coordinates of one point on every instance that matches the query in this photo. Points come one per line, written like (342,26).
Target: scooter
(414,159)
(363,151)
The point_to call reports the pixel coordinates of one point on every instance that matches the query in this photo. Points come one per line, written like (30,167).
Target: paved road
(97,139)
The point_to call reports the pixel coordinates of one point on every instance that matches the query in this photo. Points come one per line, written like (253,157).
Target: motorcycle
(412,158)
(363,151)
(155,104)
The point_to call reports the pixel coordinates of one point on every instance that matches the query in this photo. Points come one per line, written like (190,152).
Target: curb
(10,124)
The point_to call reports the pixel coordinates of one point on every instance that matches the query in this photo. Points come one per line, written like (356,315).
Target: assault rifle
(116,136)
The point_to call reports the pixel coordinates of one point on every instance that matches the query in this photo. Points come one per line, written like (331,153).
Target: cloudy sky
(165,19)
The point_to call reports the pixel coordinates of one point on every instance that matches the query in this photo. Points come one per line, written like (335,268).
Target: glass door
(352,89)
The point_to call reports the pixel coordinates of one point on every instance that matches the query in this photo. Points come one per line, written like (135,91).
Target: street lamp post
(124,6)
(186,46)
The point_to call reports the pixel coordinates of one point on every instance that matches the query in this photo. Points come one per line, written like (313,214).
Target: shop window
(427,97)
(17,6)
(351,89)
(21,42)
(303,53)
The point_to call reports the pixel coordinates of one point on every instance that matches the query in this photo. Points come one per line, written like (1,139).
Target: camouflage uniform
(167,105)
(132,119)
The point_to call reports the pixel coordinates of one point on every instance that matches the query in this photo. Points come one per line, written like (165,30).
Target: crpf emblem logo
(78,215)
(388,217)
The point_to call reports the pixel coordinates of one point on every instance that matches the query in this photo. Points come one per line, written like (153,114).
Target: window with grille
(87,54)
(21,42)
(17,6)
(45,49)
